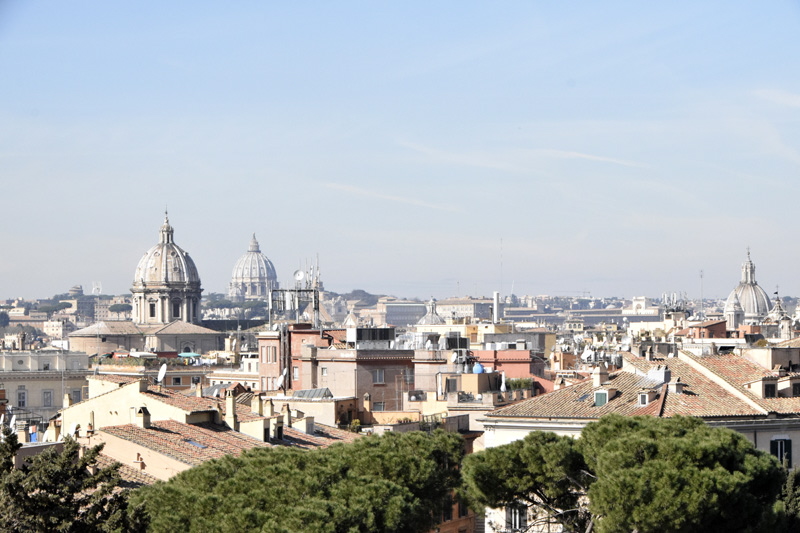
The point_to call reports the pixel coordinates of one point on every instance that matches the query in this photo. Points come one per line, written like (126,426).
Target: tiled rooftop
(131,478)
(113,378)
(191,444)
(701,396)
(195,404)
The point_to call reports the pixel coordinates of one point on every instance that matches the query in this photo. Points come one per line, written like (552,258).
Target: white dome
(752,298)
(166,263)
(253,275)
(431,318)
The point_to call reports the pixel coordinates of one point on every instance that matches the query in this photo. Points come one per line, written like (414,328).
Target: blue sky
(419,148)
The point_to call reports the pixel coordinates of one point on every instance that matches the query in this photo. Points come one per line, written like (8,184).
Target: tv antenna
(161,373)
(280,383)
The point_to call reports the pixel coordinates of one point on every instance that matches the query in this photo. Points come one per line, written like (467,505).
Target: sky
(416,148)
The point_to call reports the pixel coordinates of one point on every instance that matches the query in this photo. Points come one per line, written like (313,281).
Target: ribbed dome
(752,297)
(166,263)
(253,275)
(431,318)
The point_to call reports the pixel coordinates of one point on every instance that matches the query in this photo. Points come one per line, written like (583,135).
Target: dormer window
(600,398)
(645,397)
(770,390)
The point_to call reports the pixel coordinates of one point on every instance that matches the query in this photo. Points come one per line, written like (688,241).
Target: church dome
(166,263)
(752,298)
(431,318)
(253,275)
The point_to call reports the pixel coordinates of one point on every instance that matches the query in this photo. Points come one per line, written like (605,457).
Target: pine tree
(62,491)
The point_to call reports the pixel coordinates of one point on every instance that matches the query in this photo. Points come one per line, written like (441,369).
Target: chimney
(287,415)
(143,417)
(307,425)
(367,402)
(276,427)
(676,387)
(198,390)
(230,410)
(258,404)
(67,400)
(143,385)
(269,407)
(599,375)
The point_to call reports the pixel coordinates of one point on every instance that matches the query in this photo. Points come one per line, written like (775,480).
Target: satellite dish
(72,429)
(299,275)
(13,423)
(2,418)
(162,372)
(454,357)
(279,383)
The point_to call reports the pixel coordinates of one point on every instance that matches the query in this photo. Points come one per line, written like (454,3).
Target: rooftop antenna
(161,373)
(702,303)
(279,384)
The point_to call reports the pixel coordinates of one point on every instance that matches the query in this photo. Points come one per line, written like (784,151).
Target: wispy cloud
(780,97)
(562,154)
(400,199)
(513,160)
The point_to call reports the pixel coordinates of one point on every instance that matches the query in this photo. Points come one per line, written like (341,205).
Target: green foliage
(519,383)
(120,308)
(676,474)
(62,491)
(543,470)
(396,482)
(788,506)
(642,474)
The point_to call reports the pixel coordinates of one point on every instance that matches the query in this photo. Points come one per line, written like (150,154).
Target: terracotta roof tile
(701,396)
(191,444)
(130,477)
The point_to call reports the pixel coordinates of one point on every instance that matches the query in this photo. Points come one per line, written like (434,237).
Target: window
(463,510)
(195,380)
(176,308)
(22,398)
(46,366)
(379,406)
(795,389)
(782,449)
(323,371)
(516,517)
(769,390)
(447,509)
(377,376)
(176,380)
(295,373)
(76,395)
(600,398)
(152,310)
(47,398)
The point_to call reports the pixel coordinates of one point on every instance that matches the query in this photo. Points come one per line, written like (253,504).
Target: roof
(130,478)
(191,444)
(110,328)
(114,378)
(178,327)
(323,437)
(703,395)
(196,404)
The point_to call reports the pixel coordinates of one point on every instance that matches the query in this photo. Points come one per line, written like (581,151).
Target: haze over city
(417,149)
